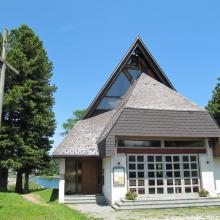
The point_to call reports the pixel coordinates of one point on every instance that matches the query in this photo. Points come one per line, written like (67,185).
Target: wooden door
(91,176)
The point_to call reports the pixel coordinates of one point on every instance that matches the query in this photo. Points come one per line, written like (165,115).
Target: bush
(203,193)
(131,195)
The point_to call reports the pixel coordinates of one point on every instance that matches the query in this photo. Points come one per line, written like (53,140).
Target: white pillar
(207,170)
(62,180)
(118,192)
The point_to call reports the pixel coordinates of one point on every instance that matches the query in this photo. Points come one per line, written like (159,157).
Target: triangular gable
(127,73)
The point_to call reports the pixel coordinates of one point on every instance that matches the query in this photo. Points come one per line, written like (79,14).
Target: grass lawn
(205,213)
(13,207)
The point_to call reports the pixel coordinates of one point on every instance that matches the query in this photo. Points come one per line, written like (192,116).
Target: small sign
(118,176)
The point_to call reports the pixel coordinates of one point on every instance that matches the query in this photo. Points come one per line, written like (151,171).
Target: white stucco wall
(118,192)
(106,188)
(207,171)
(61,180)
(114,193)
(217,175)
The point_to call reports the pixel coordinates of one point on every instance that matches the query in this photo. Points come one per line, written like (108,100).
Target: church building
(139,134)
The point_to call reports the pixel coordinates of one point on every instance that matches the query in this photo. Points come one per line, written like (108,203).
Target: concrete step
(143,199)
(84,199)
(168,206)
(165,204)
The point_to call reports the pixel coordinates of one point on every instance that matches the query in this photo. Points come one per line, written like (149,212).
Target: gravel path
(108,213)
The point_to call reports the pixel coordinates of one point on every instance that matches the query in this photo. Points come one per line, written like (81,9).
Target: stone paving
(108,213)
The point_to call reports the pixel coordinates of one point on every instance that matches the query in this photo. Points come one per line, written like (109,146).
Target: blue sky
(85,40)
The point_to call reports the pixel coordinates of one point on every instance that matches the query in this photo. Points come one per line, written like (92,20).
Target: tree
(28,119)
(70,122)
(214,104)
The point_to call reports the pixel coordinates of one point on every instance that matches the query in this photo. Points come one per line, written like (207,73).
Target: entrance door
(82,176)
(91,176)
(163,174)
(73,176)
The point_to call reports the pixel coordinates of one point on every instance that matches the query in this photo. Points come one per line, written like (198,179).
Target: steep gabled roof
(138,43)
(150,94)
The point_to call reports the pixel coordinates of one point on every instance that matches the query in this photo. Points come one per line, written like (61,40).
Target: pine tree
(28,119)
(214,104)
(70,122)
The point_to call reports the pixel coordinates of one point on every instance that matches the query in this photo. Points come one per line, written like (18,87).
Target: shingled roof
(149,109)
(81,140)
(148,93)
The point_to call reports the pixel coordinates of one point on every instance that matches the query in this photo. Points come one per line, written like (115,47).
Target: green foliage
(214,104)
(203,193)
(131,195)
(50,170)
(70,122)
(28,119)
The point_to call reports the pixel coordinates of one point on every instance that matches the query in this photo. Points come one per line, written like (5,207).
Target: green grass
(14,207)
(187,213)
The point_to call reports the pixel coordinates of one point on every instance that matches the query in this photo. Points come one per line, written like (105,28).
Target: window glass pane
(169,166)
(168,158)
(140,158)
(195,189)
(140,166)
(119,87)
(184,144)
(159,190)
(188,189)
(132,174)
(141,191)
(185,166)
(132,166)
(150,166)
(176,166)
(135,73)
(132,182)
(108,103)
(140,174)
(169,182)
(159,182)
(150,158)
(151,174)
(159,166)
(193,165)
(131,158)
(137,143)
(151,190)
(140,182)
(158,158)
(169,190)
(151,182)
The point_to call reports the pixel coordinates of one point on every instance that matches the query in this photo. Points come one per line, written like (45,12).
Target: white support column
(62,180)
(118,192)
(207,170)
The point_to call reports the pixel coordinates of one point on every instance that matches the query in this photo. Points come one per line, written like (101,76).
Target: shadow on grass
(54,195)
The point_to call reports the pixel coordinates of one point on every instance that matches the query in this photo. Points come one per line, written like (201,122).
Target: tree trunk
(3,179)
(26,183)
(18,187)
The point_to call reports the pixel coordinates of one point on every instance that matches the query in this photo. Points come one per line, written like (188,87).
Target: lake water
(50,183)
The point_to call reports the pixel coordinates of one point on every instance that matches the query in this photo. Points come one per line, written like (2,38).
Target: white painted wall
(118,192)
(207,171)
(113,193)
(106,188)
(217,175)
(61,180)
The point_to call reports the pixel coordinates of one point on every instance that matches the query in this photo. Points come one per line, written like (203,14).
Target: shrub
(131,195)
(203,193)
